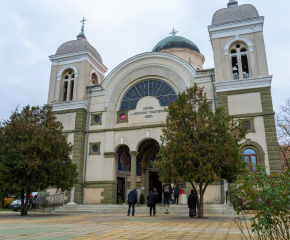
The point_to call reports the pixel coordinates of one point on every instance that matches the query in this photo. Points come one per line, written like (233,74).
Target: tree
(34,153)
(200,146)
(283,129)
(269,196)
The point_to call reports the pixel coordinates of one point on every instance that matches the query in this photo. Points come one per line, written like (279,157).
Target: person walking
(176,194)
(167,192)
(152,199)
(192,204)
(132,200)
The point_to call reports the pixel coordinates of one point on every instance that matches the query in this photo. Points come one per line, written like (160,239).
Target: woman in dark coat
(192,204)
(176,194)
(152,201)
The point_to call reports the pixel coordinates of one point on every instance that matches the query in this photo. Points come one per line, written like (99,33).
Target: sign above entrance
(148,110)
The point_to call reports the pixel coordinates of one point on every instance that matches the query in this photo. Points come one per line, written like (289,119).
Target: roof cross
(173,32)
(83,21)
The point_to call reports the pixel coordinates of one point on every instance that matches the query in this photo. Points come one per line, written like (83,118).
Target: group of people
(152,200)
(168,191)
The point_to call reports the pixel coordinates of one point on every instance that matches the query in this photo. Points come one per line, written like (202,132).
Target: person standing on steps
(192,204)
(132,200)
(152,199)
(167,192)
(176,194)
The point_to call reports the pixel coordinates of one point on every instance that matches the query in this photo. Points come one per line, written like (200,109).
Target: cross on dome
(82,33)
(173,32)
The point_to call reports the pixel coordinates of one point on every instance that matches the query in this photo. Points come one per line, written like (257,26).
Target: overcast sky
(32,30)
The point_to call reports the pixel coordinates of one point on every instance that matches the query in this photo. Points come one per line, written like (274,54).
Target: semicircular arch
(235,39)
(66,67)
(255,146)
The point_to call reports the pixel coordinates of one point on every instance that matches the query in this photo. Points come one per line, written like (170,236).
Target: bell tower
(242,80)
(75,65)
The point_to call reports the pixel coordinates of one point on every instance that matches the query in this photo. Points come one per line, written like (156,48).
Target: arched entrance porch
(147,151)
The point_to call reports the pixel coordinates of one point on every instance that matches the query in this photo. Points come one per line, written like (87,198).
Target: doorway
(120,188)
(154,182)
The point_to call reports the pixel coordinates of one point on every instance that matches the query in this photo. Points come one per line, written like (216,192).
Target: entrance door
(154,182)
(121,188)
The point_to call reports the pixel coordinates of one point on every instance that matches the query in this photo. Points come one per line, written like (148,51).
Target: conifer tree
(34,153)
(199,146)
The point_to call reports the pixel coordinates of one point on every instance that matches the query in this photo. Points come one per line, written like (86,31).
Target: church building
(115,121)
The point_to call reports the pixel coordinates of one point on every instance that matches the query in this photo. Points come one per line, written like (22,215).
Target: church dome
(78,45)
(175,42)
(234,13)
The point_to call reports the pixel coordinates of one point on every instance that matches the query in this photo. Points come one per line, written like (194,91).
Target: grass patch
(4,210)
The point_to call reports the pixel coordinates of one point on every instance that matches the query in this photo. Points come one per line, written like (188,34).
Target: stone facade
(131,109)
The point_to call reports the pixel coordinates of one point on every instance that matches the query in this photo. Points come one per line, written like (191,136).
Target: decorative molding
(119,114)
(93,116)
(238,38)
(91,145)
(139,57)
(78,56)
(96,91)
(83,103)
(236,28)
(133,153)
(240,84)
(64,68)
(259,150)
(110,154)
(250,120)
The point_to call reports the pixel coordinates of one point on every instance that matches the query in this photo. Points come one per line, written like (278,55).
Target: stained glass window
(156,88)
(250,157)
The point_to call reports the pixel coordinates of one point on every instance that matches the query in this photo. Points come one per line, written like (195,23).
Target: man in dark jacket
(132,200)
(152,201)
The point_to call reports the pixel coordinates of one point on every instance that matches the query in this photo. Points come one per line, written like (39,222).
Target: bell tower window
(68,85)
(239,57)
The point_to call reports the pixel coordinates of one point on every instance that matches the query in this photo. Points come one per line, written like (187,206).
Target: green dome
(175,42)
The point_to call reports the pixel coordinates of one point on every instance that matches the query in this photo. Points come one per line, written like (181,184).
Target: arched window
(239,57)
(94,79)
(68,85)
(250,157)
(156,88)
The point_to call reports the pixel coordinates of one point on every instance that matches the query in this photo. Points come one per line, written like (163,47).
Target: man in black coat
(132,200)
(152,201)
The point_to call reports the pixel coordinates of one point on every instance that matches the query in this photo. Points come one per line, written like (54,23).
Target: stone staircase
(209,209)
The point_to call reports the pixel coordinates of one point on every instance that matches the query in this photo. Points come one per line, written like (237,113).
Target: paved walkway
(91,226)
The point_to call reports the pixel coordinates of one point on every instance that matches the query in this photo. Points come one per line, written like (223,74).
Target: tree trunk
(200,202)
(2,203)
(22,203)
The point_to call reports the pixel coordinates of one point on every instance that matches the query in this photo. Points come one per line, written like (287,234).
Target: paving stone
(103,226)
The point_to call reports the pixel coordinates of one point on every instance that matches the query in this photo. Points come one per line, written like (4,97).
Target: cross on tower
(173,33)
(83,21)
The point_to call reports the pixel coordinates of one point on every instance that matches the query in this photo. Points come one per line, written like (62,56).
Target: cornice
(239,84)
(82,103)
(236,28)
(78,56)
(96,91)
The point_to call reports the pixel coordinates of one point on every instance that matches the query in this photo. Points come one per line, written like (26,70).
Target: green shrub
(269,196)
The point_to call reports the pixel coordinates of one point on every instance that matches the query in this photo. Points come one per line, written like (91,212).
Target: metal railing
(49,201)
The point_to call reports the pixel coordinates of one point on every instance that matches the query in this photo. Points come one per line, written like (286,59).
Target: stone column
(72,196)
(240,67)
(133,169)
(68,91)
(75,87)
(143,172)
(57,90)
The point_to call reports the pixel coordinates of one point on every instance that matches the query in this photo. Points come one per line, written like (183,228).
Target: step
(209,209)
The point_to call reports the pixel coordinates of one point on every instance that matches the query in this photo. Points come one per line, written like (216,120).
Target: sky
(32,30)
